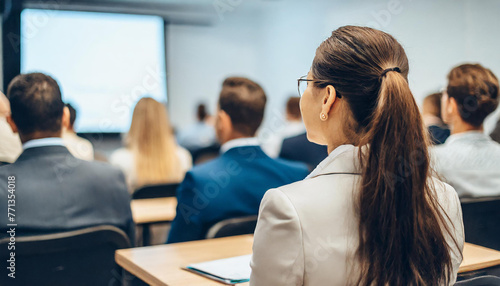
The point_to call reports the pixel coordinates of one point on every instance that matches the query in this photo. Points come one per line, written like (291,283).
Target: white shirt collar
(240,142)
(335,153)
(468,135)
(52,141)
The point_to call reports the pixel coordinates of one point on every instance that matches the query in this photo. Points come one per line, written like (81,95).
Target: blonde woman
(151,155)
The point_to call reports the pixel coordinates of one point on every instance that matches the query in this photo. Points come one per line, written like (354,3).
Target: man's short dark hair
(244,101)
(433,104)
(36,104)
(201,112)
(72,114)
(293,107)
(476,91)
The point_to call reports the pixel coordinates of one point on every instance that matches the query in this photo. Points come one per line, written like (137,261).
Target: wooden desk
(161,265)
(150,211)
(147,211)
(477,257)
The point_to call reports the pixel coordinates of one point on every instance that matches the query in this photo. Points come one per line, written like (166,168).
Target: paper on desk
(233,270)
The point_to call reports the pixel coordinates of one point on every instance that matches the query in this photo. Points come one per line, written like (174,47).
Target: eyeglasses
(303,82)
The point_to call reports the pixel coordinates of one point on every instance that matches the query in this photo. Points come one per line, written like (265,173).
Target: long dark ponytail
(401,227)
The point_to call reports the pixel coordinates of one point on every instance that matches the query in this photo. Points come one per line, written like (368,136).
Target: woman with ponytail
(371,213)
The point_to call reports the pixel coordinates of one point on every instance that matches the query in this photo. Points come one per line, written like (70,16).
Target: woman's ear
(329,98)
(11,123)
(66,118)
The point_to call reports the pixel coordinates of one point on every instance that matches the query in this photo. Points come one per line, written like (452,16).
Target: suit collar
(42,151)
(51,141)
(239,142)
(343,160)
(248,152)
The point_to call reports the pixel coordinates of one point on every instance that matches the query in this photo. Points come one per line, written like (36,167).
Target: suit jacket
(229,186)
(56,192)
(307,232)
(439,134)
(299,148)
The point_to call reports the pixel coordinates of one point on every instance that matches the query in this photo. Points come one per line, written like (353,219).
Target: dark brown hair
(432,103)
(475,90)
(401,229)
(36,103)
(293,107)
(72,114)
(244,101)
(201,112)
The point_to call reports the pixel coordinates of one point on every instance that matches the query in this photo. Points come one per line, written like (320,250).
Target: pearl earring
(323,116)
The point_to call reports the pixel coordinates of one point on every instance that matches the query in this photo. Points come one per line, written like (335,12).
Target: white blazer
(307,232)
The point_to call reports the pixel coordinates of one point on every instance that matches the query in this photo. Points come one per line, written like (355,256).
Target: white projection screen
(104,63)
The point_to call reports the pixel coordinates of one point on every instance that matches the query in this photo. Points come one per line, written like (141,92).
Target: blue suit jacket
(299,148)
(229,186)
(55,192)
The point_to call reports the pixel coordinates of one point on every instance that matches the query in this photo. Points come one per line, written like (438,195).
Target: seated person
(199,135)
(79,147)
(291,127)
(10,146)
(469,159)
(151,156)
(431,114)
(297,147)
(233,184)
(54,191)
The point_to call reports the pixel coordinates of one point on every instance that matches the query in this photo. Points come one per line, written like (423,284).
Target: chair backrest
(480,281)
(205,154)
(233,226)
(80,257)
(482,221)
(155,191)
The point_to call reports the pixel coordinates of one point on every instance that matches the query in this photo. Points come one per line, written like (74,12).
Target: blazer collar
(343,160)
(249,152)
(42,151)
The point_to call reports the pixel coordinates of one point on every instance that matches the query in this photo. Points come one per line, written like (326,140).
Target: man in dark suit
(299,148)
(50,190)
(233,184)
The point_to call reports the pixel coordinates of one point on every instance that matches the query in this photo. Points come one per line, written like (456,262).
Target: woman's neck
(461,126)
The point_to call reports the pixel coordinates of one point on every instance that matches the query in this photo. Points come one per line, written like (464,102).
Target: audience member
(10,146)
(233,184)
(293,126)
(431,114)
(469,159)
(298,147)
(54,190)
(151,155)
(200,135)
(370,214)
(495,135)
(79,147)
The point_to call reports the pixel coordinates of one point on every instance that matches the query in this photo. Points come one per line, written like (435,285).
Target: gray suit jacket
(55,192)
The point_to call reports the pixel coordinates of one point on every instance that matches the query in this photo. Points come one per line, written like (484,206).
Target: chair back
(80,257)
(232,227)
(482,221)
(155,191)
(205,154)
(488,280)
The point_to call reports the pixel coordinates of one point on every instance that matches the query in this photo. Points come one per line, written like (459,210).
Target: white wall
(274,43)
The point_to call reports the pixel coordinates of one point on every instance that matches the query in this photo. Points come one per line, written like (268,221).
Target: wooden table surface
(477,257)
(161,265)
(153,210)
